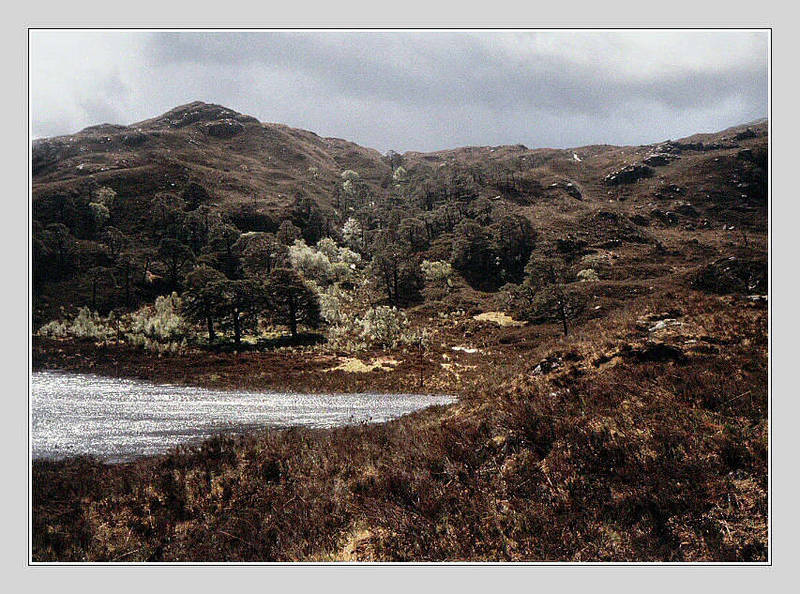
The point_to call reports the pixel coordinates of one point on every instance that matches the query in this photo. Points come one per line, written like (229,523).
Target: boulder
(732,275)
(226,128)
(659,159)
(629,174)
(668,218)
(687,210)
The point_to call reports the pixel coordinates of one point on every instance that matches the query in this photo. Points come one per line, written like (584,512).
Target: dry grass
(653,459)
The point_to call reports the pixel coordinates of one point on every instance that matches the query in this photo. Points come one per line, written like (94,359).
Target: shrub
(438,271)
(86,325)
(160,322)
(352,234)
(383,326)
(312,264)
(329,307)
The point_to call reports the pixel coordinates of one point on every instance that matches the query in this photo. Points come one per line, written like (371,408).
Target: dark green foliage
(222,239)
(201,300)
(514,239)
(547,292)
(309,218)
(291,301)
(176,256)
(240,304)
(101,282)
(260,253)
(116,241)
(195,195)
(395,269)
(167,215)
(474,255)
(287,233)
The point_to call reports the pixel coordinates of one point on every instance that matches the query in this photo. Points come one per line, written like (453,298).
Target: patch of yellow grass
(356,365)
(498,317)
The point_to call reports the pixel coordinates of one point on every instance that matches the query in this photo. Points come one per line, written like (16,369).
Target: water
(119,419)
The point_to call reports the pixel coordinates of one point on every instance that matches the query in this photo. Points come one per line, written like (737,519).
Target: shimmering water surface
(118,419)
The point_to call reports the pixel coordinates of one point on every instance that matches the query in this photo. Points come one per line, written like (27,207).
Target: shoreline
(299,372)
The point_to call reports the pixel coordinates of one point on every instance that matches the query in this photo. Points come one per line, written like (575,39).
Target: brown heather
(641,435)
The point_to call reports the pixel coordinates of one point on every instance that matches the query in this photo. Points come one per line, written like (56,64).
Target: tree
(291,301)
(353,235)
(202,303)
(545,294)
(260,253)
(127,262)
(97,275)
(99,216)
(167,215)
(222,239)
(105,196)
(513,241)
(287,233)
(198,224)
(175,255)
(473,254)
(413,231)
(308,217)
(115,240)
(395,269)
(60,242)
(242,301)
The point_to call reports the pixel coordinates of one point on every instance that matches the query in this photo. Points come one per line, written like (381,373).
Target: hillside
(256,175)
(601,312)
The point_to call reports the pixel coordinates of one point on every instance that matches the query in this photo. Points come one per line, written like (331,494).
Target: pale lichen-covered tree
(353,234)
(99,216)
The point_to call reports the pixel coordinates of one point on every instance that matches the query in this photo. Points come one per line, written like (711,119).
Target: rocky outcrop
(668,217)
(659,159)
(226,128)
(732,275)
(628,174)
(687,210)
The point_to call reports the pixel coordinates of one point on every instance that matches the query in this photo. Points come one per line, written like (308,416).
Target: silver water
(118,419)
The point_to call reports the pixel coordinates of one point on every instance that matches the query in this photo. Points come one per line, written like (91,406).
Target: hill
(256,175)
(601,312)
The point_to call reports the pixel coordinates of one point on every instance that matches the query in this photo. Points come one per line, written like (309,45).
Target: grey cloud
(429,90)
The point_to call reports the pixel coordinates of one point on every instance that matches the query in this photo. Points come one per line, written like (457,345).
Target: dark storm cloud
(435,90)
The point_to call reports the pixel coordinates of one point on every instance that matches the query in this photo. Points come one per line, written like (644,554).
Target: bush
(158,327)
(313,265)
(87,325)
(438,272)
(326,263)
(160,322)
(383,326)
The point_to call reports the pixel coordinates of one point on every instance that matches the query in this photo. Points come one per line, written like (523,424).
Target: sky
(423,90)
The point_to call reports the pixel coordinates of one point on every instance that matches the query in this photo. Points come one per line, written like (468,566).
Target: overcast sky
(412,91)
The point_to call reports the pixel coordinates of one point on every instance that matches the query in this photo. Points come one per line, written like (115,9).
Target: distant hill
(255,175)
